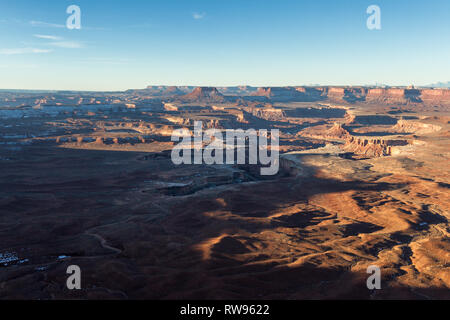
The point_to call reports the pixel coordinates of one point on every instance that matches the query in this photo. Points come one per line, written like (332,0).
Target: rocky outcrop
(281,94)
(394,95)
(238,90)
(189,122)
(404,126)
(270,114)
(335,93)
(336,132)
(203,94)
(372,147)
(435,95)
(97,140)
(170,107)
(171,91)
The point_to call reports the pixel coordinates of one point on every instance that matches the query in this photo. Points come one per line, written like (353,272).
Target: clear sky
(135,43)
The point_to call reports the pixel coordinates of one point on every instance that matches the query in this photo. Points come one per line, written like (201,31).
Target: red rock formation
(371,147)
(436,95)
(291,93)
(336,92)
(203,94)
(354,94)
(336,132)
(404,126)
(270,114)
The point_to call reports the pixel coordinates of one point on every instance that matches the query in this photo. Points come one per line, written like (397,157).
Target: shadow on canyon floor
(245,241)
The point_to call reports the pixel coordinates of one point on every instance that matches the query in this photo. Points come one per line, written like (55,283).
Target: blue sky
(135,43)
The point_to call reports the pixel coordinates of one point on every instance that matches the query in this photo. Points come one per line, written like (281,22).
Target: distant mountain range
(165,91)
(244,90)
(304,94)
(439,85)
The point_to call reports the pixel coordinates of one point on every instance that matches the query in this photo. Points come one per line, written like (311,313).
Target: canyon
(87,179)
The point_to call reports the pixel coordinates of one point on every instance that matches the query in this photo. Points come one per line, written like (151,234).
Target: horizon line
(241,85)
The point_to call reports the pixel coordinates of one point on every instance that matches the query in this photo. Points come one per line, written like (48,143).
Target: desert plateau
(87,179)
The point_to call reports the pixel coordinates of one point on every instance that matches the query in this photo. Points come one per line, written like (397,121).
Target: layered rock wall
(357,94)
(372,147)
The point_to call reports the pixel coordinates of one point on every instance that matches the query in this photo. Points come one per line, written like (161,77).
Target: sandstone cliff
(372,147)
(203,94)
(357,94)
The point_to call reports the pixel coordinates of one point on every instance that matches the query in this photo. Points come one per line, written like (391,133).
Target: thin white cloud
(48,37)
(15,51)
(46,24)
(67,44)
(198,16)
(60,42)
